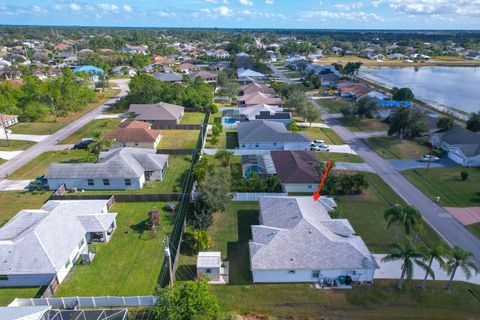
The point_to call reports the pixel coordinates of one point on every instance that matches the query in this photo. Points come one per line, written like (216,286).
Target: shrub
(214,140)
(464,175)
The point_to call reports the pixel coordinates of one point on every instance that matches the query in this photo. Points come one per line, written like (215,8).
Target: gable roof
(133,132)
(123,163)
(168,77)
(203,74)
(41,240)
(295,166)
(242,73)
(158,111)
(468,141)
(255,98)
(256,87)
(298,233)
(267,131)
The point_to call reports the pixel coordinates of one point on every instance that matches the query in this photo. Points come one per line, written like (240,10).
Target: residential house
(249,73)
(7,120)
(218,53)
(219,65)
(187,68)
(295,170)
(142,49)
(258,112)
(124,71)
(354,91)
(396,56)
(40,246)
(328,79)
(160,115)
(169,77)
(135,134)
(270,135)
(118,169)
(208,77)
(255,98)
(256,87)
(461,145)
(317,55)
(387,107)
(297,241)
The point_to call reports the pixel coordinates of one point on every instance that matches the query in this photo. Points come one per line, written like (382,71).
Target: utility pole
(170,273)
(4,128)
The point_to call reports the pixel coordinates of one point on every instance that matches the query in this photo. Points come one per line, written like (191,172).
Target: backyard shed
(209,265)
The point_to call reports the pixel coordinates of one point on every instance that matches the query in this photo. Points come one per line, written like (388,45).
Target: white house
(270,135)
(297,241)
(461,145)
(119,169)
(39,246)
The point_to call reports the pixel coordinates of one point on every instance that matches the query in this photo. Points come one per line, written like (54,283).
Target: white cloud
(358,16)
(348,6)
(107,7)
(127,8)
(436,7)
(217,1)
(220,11)
(247,3)
(269,1)
(75,7)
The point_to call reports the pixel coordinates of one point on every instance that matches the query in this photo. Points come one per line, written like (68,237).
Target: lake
(451,87)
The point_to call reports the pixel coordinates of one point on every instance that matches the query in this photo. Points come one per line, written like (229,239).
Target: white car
(429,158)
(318,142)
(320,148)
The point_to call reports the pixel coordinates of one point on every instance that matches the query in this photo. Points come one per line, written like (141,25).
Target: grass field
(7,295)
(54,124)
(380,301)
(328,135)
(391,148)
(101,125)
(178,139)
(333,105)
(39,165)
(446,183)
(192,118)
(339,157)
(475,229)
(228,139)
(365,213)
(357,125)
(2,161)
(14,145)
(13,201)
(129,264)
(215,116)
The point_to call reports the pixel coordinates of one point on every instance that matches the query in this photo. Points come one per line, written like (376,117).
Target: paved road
(279,74)
(50,142)
(444,223)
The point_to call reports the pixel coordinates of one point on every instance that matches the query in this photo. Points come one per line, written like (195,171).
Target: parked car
(40,183)
(320,148)
(318,141)
(83,144)
(429,158)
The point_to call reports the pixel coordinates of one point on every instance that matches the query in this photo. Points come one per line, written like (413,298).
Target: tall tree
(311,114)
(473,123)
(436,253)
(403,94)
(445,123)
(406,122)
(352,68)
(99,144)
(402,216)
(410,256)
(460,258)
(224,156)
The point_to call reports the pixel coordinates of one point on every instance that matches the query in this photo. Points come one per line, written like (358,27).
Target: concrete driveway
(341,148)
(350,166)
(13,185)
(25,137)
(113,116)
(7,155)
(402,165)
(392,270)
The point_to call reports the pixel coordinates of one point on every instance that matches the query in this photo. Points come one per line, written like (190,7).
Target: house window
(274,143)
(243,145)
(291,271)
(106,182)
(209,271)
(316,274)
(256,145)
(309,186)
(90,182)
(3,277)
(128,182)
(67,264)
(124,145)
(81,243)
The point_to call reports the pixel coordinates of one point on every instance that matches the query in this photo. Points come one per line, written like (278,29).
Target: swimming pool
(229,120)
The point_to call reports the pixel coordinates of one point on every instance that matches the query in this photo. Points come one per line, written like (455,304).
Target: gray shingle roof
(297,233)
(168,77)
(267,131)
(123,163)
(466,140)
(40,241)
(158,111)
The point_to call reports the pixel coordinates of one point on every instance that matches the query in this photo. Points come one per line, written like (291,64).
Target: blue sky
(336,14)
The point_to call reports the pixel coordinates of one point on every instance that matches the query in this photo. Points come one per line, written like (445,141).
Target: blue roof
(88,69)
(394,103)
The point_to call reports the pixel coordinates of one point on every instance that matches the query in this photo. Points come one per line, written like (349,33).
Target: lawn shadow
(232,140)
(237,252)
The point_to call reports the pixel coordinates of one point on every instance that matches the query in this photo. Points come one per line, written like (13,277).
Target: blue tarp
(394,103)
(88,69)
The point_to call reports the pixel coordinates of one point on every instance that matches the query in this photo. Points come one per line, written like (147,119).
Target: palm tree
(437,253)
(98,145)
(224,156)
(460,258)
(406,216)
(410,256)
(419,229)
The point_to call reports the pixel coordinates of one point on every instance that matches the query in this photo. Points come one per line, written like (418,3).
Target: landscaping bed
(391,148)
(178,139)
(14,145)
(101,125)
(129,264)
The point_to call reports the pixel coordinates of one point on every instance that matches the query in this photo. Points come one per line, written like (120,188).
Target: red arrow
(316,195)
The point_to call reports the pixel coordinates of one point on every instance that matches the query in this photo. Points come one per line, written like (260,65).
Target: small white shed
(209,264)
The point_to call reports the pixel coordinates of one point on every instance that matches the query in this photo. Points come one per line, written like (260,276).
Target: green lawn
(13,201)
(228,139)
(192,118)
(7,295)
(391,148)
(2,161)
(215,117)
(333,105)
(365,213)
(358,125)
(339,157)
(101,125)
(328,135)
(446,183)
(14,145)
(178,139)
(178,166)
(129,264)
(39,165)
(49,126)
(380,301)
(475,229)
(230,234)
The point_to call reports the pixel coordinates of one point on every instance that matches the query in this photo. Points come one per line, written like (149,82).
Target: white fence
(86,302)
(254,196)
